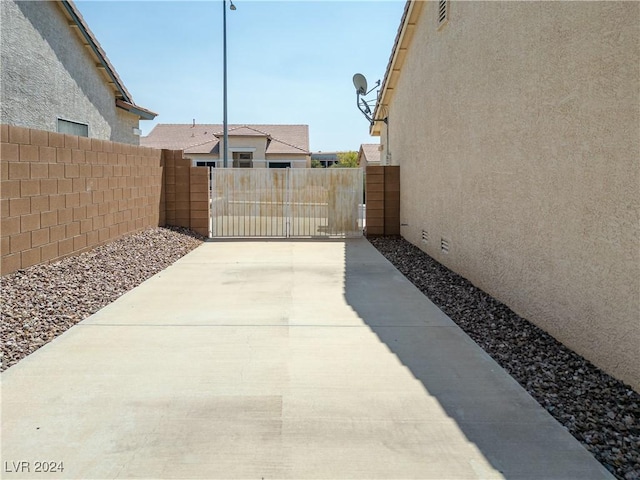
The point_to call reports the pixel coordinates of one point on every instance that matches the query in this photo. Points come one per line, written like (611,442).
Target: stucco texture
(517,129)
(257,143)
(48,74)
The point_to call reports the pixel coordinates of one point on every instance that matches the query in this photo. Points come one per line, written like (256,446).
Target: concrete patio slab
(277,359)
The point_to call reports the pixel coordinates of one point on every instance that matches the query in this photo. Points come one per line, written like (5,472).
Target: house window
(279,164)
(443,12)
(73,128)
(242,159)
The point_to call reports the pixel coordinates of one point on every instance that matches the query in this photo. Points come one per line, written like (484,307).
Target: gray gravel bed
(598,410)
(41,302)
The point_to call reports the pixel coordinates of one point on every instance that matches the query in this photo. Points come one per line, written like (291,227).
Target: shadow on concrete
(513,432)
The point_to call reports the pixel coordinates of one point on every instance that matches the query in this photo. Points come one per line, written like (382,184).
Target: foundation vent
(444,245)
(425,236)
(443,12)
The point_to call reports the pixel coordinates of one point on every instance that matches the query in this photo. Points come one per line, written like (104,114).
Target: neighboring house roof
(370,152)
(243,131)
(412,10)
(124,99)
(211,147)
(205,138)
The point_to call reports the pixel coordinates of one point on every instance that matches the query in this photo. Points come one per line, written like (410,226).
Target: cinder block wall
(199,200)
(383,200)
(186,193)
(62,194)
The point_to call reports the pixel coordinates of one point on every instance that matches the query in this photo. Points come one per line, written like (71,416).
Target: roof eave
(143,113)
(409,18)
(121,92)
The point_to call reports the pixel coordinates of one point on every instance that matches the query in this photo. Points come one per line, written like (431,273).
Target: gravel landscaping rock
(598,410)
(41,302)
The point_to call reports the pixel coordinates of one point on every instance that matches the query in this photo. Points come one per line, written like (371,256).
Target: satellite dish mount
(360,82)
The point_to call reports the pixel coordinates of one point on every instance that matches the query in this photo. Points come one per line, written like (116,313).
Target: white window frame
(250,150)
(241,162)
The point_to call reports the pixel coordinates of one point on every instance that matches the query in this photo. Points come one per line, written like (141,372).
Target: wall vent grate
(443,12)
(444,245)
(425,236)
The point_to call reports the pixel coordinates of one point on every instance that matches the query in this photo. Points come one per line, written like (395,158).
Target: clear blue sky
(288,61)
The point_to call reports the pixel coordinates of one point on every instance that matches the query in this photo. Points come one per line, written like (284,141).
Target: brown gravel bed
(598,410)
(41,302)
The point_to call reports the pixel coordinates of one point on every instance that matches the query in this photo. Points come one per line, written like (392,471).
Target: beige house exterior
(516,127)
(250,146)
(56,77)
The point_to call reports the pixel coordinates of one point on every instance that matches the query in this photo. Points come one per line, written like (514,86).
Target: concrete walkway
(279,359)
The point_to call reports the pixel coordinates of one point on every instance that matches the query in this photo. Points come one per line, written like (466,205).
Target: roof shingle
(205,138)
(371,152)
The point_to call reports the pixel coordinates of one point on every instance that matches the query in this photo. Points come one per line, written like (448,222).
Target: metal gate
(291,202)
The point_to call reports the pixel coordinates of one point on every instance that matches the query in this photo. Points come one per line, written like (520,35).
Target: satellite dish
(360,83)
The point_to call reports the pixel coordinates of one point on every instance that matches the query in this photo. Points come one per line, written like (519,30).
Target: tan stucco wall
(259,143)
(518,134)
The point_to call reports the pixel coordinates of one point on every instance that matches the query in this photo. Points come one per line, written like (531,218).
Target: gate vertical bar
(211,205)
(287,231)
